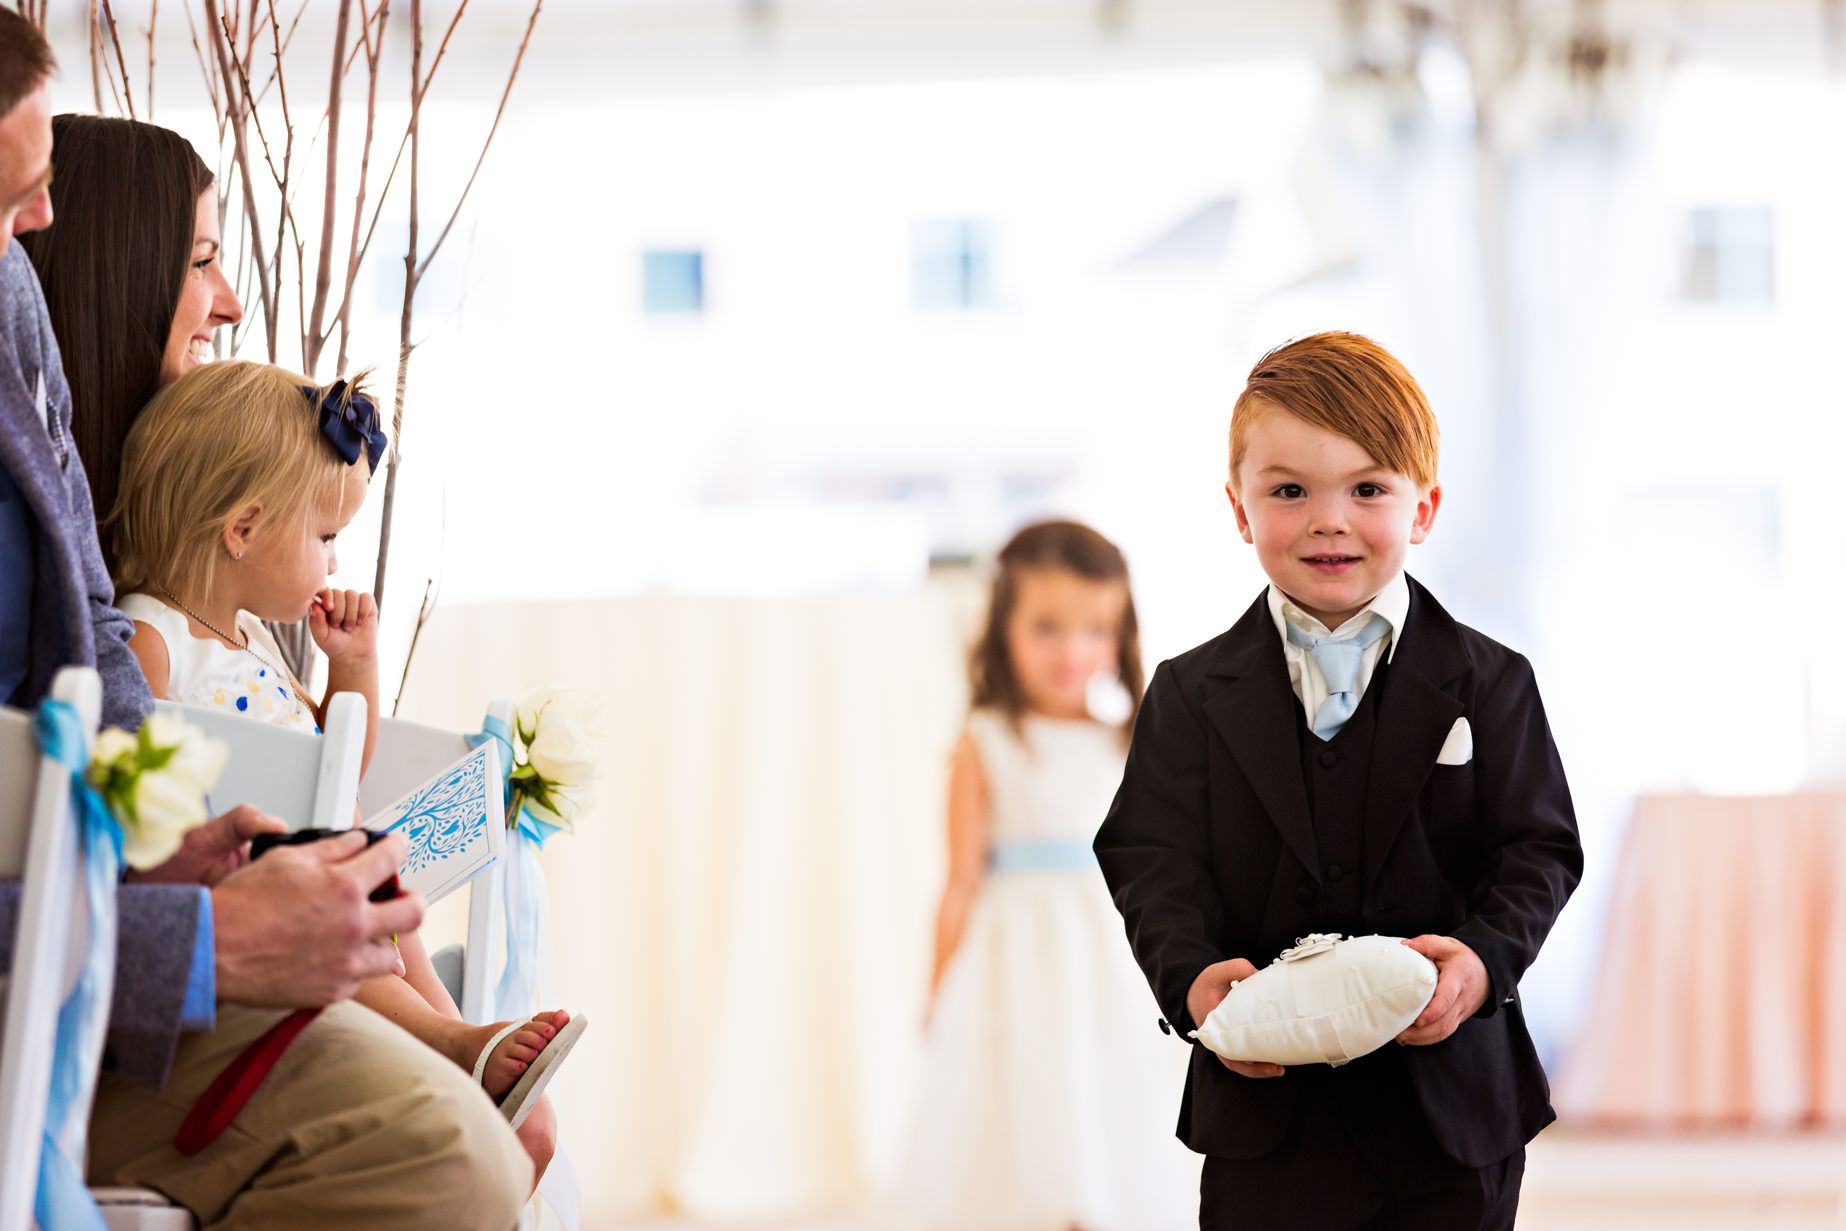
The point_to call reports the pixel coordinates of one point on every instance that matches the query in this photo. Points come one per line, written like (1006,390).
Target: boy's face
(1330,525)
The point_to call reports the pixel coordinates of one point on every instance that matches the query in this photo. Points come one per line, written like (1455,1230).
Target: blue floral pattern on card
(446,821)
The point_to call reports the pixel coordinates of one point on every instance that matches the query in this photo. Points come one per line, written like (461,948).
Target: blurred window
(951,264)
(1730,255)
(672,281)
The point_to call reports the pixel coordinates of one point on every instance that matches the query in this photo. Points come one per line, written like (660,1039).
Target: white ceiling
(622,46)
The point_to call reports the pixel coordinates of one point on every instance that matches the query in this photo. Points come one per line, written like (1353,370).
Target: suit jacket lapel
(1415,714)
(1257,715)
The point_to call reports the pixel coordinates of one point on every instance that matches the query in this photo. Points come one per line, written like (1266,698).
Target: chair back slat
(298,777)
(38,846)
(407,755)
(18,783)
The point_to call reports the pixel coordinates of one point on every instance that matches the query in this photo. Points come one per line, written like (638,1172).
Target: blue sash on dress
(1042,855)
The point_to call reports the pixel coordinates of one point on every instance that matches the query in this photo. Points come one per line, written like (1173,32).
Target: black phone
(263,843)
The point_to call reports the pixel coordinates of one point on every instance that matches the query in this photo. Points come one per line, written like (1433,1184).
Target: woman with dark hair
(131,276)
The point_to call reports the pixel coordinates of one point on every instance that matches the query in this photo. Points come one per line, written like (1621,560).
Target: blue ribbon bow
(63,1200)
(522,882)
(527,824)
(349,421)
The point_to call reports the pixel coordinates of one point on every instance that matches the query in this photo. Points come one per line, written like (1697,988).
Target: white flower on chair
(556,727)
(155,782)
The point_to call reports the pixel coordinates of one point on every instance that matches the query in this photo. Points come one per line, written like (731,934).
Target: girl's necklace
(240,642)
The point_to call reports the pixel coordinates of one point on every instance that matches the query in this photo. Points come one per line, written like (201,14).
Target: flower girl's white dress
(1048,1096)
(205,672)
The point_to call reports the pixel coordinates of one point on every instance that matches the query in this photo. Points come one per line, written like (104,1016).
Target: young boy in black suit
(1347,758)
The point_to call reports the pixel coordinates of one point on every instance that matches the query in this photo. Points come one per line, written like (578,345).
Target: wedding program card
(454,823)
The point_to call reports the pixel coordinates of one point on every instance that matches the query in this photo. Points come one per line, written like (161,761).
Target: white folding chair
(406,755)
(310,781)
(304,779)
(38,845)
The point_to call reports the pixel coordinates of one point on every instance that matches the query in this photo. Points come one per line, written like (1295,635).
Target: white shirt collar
(1392,602)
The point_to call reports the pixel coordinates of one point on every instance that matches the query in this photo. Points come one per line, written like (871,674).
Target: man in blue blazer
(207,961)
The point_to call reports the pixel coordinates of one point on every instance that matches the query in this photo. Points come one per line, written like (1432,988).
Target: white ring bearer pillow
(1325,1001)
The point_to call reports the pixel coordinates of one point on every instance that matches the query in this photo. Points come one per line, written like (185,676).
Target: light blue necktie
(1339,667)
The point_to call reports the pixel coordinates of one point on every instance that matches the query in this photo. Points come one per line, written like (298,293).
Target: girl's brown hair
(1075,548)
(113,262)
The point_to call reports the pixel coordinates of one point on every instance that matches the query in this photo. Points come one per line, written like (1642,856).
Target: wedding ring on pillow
(1325,1001)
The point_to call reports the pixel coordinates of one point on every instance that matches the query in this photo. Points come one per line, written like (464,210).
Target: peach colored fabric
(1721,998)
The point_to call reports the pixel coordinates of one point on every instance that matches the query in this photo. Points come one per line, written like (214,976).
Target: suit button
(111,1062)
(1334,871)
(1164,1028)
(1329,758)
(1305,896)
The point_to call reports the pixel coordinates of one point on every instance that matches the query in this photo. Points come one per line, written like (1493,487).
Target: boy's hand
(1211,987)
(344,624)
(1461,989)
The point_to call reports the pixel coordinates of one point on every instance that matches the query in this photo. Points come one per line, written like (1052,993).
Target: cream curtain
(746,911)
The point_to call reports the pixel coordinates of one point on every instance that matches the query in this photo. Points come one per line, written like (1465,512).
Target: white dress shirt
(1392,602)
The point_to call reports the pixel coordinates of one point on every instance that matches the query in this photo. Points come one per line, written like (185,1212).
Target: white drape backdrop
(746,911)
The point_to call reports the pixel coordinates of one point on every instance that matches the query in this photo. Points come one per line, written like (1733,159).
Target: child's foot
(512,1054)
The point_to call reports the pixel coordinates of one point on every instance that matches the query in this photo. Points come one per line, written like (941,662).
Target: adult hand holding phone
(296,928)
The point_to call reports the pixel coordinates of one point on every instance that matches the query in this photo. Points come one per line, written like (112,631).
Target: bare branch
(312,338)
(282,48)
(207,71)
(153,19)
(97,66)
(442,49)
(221,36)
(101,72)
(500,111)
(374,43)
(121,61)
(384,193)
(425,610)
(410,293)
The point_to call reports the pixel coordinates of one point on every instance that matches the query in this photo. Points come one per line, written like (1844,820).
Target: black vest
(1372,1094)
(1336,773)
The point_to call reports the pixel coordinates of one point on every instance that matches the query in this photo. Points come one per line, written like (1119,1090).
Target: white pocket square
(1458,748)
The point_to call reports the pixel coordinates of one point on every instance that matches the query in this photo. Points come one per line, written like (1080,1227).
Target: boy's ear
(1237,510)
(239,530)
(1427,504)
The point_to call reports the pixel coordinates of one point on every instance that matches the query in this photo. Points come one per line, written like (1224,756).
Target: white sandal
(516,1104)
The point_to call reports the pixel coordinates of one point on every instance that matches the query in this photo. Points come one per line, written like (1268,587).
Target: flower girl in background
(235,482)
(1043,1104)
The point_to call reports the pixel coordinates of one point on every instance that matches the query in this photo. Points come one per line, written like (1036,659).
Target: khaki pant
(358,1125)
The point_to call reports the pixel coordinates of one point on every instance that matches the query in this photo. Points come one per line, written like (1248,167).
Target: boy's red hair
(1348,385)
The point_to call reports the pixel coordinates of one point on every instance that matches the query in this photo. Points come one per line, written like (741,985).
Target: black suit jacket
(1209,852)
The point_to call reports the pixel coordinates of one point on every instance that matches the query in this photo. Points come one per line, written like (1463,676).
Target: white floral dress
(206,672)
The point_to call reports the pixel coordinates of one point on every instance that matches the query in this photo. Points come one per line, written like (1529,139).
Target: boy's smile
(1331,526)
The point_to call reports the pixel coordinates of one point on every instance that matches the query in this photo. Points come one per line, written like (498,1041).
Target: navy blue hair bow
(349,421)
